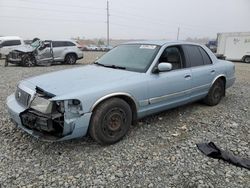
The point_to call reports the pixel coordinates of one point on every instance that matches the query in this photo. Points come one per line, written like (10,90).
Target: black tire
(247,59)
(28,61)
(110,121)
(6,63)
(70,59)
(215,94)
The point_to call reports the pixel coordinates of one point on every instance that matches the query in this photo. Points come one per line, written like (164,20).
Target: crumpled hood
(79,79)
(25,49)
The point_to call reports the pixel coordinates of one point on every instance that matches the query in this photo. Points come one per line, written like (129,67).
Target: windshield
(35,44)
(133,57)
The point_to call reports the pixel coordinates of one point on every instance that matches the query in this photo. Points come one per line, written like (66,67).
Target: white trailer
(234,46)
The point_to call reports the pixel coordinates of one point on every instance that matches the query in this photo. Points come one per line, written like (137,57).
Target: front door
(44,54)
(172,88)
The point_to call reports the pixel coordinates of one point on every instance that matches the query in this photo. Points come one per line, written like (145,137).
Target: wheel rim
(29,62)
(114,122)
(217,93)
(71,59)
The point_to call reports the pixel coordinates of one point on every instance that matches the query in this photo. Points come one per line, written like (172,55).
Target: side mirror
(163,67)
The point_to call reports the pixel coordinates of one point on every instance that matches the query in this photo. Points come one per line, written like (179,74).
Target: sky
(129,19)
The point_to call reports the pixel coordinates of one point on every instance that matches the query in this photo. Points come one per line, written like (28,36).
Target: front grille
(14,55)
(22,97)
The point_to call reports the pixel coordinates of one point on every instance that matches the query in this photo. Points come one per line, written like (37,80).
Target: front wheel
(70,59)
(28,61)
(110,121)
(215,93)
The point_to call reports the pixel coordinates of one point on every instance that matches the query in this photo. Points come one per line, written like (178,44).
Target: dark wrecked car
(45,53)
(131,81)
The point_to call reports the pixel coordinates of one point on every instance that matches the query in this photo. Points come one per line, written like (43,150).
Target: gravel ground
(159,151)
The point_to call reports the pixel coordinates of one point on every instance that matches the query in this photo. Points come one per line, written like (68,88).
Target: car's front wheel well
(132,105)
(128,100)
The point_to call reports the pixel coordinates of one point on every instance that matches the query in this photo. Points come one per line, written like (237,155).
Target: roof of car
(160,42)
(10,38)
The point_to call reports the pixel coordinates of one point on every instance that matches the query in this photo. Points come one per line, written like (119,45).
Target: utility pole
(108,23)
(178,33)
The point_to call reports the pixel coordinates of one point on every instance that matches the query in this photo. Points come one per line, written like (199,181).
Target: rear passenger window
(11,43)
(70,44)
(206,58)
(58,44)
(195,56)
(62,43)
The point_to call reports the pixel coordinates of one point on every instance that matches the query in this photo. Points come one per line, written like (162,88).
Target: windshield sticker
(150,47)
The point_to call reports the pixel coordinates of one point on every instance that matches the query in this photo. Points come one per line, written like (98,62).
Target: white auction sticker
(150,47)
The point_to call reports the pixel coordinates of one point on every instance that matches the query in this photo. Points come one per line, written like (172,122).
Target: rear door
(203,71)
(59,48)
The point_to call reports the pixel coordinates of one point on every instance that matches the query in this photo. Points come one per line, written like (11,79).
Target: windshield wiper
(115,66)
(110,66)
(97,63)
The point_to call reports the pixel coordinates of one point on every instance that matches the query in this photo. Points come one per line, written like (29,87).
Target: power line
(52,10)
(52,20)
(124,14)
(133,16)
(58,4)
(139,27)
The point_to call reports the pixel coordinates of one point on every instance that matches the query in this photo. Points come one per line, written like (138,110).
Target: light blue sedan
(130,82)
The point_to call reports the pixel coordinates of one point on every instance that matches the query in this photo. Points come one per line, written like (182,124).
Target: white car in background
(45,53)
(9,43)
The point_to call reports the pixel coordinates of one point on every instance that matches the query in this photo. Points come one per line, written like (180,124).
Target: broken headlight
(42,105)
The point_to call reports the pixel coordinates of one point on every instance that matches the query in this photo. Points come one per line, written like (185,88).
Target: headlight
(42,105)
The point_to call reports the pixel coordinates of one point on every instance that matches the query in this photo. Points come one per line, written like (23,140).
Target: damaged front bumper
(47,127)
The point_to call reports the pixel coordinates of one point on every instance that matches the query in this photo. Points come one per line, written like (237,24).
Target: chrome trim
(220,75)
(164,97)
(25,88)
(29,91)
(113,95)
(144,102)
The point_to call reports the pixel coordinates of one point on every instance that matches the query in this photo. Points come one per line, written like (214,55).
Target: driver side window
(174,56)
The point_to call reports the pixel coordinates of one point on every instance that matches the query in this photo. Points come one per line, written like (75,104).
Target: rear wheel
(247,59)
(110,121)
(215,93)
(70,59)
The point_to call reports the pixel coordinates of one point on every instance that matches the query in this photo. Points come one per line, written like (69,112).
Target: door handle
(187,76)
(212,71)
